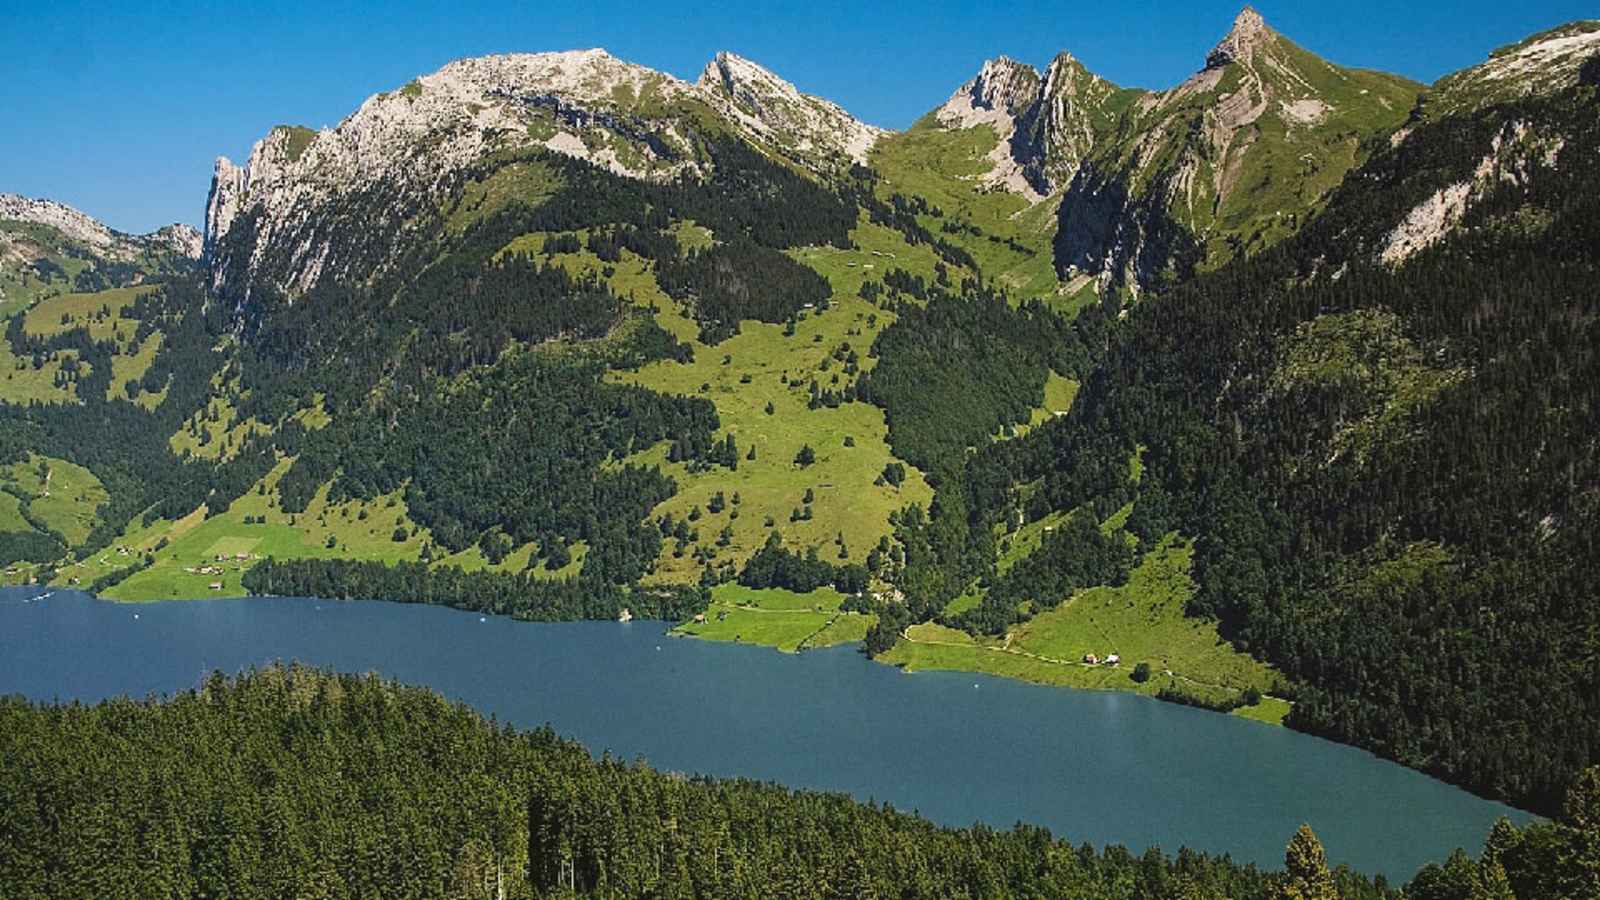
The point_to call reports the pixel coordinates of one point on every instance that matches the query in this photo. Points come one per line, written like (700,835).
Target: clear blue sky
(120,108)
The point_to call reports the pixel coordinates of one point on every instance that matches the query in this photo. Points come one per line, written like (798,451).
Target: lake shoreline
(1088,764)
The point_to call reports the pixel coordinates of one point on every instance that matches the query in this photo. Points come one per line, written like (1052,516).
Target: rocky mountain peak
(811,131)
(1046,124)
(592,75)
(1183,178)
(1249,32)
(416,142)
(184,240)
(732,74)
(1066,76)
(1003,90)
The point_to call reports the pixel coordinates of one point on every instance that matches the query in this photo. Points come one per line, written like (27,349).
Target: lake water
(1093,766)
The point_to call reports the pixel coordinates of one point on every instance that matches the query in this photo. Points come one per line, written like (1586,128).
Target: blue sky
(119,109)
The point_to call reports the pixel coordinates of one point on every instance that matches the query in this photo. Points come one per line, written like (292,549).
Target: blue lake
(1092,766)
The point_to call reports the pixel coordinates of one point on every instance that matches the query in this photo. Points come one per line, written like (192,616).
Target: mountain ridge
(178,237)
(417,141)
(1149,180)
(48,247)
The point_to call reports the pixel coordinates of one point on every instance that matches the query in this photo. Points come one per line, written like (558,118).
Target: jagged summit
(1046,124)
(1002,95)
(729,72)
(1002,90)
(809,130)
(416,142)
(1249,32)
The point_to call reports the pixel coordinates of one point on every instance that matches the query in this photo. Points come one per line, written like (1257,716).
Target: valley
(1271,393)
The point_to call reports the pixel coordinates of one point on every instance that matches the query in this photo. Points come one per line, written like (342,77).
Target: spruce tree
(1306,875)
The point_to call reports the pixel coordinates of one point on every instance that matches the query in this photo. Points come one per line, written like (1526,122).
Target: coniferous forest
(1390,473)
(290,782)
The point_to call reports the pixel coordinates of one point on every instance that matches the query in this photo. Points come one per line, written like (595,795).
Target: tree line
(292,782)
(522,595)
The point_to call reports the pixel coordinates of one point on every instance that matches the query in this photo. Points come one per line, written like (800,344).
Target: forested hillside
(1388,462)
(292,782)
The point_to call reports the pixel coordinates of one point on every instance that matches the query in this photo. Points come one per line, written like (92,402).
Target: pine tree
(1306,875)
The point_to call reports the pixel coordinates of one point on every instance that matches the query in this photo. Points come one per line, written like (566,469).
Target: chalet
(625,616)
(1113,659)
(216,585)
(1091,659)
(699,618)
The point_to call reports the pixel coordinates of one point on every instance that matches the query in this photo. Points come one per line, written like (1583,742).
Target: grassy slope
(101,314)
(778,618)
(1294,169)
(21,287)
(473,560)
(20,382)
(1059,392)
(942,167)
(1142,621)
(67,500)
(214,431)
(845,499)
(196,540)
(11,520)
(526,182)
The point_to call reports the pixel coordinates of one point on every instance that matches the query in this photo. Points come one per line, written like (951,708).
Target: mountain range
(50,248)
(1283,376)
